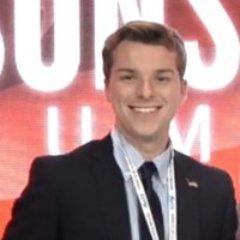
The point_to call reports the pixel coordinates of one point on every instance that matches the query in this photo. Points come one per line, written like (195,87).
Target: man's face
(145,90)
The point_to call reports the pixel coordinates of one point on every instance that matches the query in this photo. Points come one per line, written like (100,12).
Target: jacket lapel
(187,200)
(111,192)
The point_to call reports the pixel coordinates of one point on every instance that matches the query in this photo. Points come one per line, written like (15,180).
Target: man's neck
(148,147)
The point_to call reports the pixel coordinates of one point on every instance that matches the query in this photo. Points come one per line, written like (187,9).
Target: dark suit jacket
(81,196)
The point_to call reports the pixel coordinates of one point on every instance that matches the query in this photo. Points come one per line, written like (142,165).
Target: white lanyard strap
(141,194)
(142,197)
(172,201)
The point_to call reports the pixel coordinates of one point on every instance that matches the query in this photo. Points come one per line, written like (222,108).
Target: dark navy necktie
(146,171)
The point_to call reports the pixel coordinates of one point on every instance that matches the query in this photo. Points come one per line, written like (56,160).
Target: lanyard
(142,197)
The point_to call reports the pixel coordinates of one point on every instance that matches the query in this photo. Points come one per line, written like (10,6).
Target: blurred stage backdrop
(51,84)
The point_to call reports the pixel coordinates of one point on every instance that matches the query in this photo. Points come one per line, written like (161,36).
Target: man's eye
(126,77)
(163,79)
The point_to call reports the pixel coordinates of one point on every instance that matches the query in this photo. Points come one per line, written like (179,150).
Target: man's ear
(107,92)
(184,90)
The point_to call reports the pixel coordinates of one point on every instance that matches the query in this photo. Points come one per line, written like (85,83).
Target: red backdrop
(39,118)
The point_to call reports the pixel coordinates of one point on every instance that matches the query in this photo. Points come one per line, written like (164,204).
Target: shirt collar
(123,148)
(162,162)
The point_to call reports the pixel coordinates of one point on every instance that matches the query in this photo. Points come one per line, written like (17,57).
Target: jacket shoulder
(81,154)
(200,171)
(78,162)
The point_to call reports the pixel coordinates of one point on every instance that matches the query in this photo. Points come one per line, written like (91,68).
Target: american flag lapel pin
(193,184)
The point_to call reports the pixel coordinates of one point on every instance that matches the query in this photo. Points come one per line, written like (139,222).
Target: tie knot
(147,170)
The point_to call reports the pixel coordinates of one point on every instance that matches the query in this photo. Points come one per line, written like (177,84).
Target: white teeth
(145,110)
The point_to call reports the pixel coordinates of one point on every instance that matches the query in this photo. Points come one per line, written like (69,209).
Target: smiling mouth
(144,109)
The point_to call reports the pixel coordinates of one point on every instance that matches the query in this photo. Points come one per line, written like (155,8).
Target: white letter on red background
(200,126)
(28,44)
(227,50)
(53,130)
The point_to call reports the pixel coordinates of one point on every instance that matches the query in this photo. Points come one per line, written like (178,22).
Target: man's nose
(145,88)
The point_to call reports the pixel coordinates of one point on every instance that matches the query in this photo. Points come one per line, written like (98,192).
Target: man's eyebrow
(129,70)
(157,71)
(165,70)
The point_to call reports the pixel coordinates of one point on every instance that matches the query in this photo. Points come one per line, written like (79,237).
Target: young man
(99,191)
